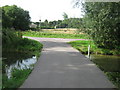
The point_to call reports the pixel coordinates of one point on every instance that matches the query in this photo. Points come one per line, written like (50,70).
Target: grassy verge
(55,35)
(114,77)
(12,42)
(18,77)
(82,46)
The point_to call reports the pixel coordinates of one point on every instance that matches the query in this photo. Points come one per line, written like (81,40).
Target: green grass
(83,47)
(18,77)
(54,35)
(114,77)
(24,45)
(29,45)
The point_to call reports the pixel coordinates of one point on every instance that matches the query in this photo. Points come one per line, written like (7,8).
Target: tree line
(66,23)
(19,19)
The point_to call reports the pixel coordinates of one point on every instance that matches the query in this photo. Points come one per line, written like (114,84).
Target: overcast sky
(46,9)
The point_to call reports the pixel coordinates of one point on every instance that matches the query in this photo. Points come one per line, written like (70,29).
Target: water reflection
(106,62)
(18,61)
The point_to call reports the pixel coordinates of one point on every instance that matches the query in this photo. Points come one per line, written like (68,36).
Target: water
(107,63)
(20,61)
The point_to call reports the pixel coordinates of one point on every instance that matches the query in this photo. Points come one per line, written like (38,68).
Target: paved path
(61,66)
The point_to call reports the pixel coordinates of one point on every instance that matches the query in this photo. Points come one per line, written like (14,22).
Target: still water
(20,61)
(107,63)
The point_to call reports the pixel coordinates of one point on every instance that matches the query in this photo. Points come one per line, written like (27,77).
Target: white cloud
(46,9)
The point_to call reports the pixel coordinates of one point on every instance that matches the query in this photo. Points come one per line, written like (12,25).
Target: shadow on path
(61,66)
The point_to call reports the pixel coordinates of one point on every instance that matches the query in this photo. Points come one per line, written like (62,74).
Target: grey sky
(46,9)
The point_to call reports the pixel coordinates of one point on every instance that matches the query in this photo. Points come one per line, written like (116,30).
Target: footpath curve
(61,66)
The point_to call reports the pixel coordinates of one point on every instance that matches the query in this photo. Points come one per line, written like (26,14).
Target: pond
(15,60)
(107,63)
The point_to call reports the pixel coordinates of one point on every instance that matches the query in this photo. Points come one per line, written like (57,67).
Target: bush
(29,45)
(12,41)
(9,37)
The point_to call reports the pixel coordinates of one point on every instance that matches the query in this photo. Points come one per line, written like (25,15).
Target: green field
(54,35)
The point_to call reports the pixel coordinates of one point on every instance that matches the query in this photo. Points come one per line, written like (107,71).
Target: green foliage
(12,41)
(54,35)
(83,47)
(66,23)
(71,23)
(18,77)
(65,16)
(102,22)
(15,17)
(9,38)
(114,77)
(29,45)
(37,23)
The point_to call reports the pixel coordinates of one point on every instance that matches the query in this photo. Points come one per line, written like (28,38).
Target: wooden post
(89,51)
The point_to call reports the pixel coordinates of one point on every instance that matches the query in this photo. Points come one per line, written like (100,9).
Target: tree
(106,23)
(65,16)
(102,22)
(37,23)
(15,17)
(6,20)
(75,22)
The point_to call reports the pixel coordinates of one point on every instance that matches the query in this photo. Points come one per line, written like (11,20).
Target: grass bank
(12,42)
(82,46)
(17,79)
(54,35)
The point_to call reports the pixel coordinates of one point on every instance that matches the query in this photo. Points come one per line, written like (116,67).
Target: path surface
(61,66)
